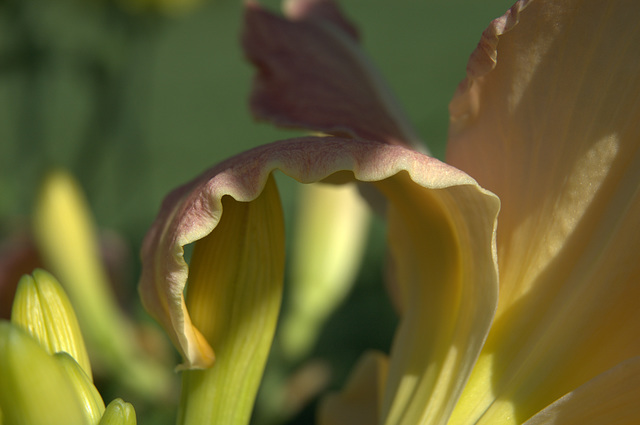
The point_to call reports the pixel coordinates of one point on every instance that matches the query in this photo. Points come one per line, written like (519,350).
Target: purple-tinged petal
(442,229)
(312,74)
(324,10)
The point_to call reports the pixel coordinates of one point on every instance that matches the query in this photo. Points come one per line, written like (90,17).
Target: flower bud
(119,412)
(35,389)
(86,391)
(41,307)
(67,239)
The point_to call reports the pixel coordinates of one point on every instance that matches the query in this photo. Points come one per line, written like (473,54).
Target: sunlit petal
(314,75)
(609,398)
(548,120)
(443,259)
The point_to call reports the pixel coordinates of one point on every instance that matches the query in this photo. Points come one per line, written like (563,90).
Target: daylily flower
(547,119)
(232,212)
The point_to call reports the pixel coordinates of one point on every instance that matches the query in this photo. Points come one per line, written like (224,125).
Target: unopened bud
(86,391)
(119,412)
(34,389)
(42,308)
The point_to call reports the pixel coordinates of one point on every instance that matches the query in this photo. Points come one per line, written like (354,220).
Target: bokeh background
(135,97)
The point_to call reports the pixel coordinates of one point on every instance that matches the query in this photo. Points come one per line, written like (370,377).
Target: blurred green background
(134,101)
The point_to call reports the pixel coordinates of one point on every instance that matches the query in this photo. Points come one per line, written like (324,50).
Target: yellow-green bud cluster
(45,369)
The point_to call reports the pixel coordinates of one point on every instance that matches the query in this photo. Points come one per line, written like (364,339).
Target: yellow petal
(609,398)
(547,120)
(443,253)
(360,402)
(233,297)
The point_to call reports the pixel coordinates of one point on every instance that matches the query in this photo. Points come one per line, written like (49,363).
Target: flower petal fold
(609,398)
(548,120)
(442,234)
(312,74)
(441,247)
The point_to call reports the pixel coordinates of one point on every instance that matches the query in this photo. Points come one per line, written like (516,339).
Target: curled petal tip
(200,355)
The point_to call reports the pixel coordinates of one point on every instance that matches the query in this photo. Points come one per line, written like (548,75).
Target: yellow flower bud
(41,307)
(66,236)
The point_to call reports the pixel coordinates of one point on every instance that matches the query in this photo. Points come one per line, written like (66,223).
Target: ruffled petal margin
(442,230)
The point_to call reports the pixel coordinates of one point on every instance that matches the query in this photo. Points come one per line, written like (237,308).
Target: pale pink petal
(548,120)
(312,74)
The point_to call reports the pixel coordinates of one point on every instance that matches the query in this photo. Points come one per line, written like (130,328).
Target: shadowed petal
(609,398)
(442,239)
(312,74)
(233,297)
(548,120)
(360,401)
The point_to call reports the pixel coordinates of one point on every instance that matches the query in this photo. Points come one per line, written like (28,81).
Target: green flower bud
(66,237)
(86,391)
(42,308)
(35,389)
(119,412)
